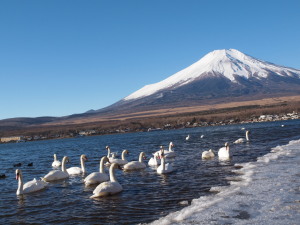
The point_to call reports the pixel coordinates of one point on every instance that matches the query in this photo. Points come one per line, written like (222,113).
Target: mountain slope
(220,76)
(230,64)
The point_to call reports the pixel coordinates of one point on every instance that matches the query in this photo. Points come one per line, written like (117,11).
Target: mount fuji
(220,76)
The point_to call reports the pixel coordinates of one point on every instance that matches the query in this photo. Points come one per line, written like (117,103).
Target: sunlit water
(197,192)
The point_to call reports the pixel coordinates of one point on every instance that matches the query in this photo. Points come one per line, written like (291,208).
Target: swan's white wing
(153,162)
(55,175)
(56,163)
(107,188)
(240,140)
(34,185)
(118,161)
(74,170)
(134,165)
(169,154)
(96,178)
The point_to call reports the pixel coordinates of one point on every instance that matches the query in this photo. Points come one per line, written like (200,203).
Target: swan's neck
(163,163)
(55,158)
(112,173)
(101,168)
(82,164)
(141,157)
(170,147)
(123,155)
(247,137)
(227,148)
(63,165)
(20,185)
(108,152)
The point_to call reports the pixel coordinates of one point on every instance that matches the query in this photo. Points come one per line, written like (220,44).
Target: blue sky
(60,57)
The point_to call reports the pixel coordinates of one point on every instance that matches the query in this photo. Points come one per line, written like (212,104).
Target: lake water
(260,184)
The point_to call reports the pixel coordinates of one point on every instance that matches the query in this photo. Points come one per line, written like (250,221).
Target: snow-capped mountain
(229,63)
(220,76)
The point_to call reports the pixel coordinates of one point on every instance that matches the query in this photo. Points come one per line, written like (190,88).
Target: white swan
(122,161)
(224,153)
(56,163)
(154,161)
(30,186)
(202,136)
(208,154)
(78,170)
(110,155)
(164,167)
(58,174)
(97,177)
(241,140)
(170,153)
(136,165)
(167,153)
(109,187)
(187,137)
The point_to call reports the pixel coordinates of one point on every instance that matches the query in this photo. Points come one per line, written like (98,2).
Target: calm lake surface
(147,196)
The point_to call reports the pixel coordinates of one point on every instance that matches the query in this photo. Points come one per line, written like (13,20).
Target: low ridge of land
(172,118)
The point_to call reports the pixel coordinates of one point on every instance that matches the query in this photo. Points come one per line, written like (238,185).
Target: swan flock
(108,184)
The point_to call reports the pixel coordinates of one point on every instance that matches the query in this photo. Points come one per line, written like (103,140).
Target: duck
(111,187)
(30,186)
(78,170)
(154,161)
(208,154)
(56,162)
(242,140)
(97,177)
(136,165)
(224,153)
(2,176)
(30,164)
(164,167)
(122,161)
(17,164)
(58,174)
(187,138)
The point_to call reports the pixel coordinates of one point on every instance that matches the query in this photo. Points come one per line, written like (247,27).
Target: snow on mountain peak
(229,63)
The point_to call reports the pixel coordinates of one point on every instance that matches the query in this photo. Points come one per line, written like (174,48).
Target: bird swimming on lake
(78,170)
(224,152)
(111,187)
(58,174)
(242,140)
(56,162)
(208,154)
(30,186)
(136,165)
(97,177)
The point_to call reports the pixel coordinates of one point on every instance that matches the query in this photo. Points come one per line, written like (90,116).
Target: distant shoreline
(188,124)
